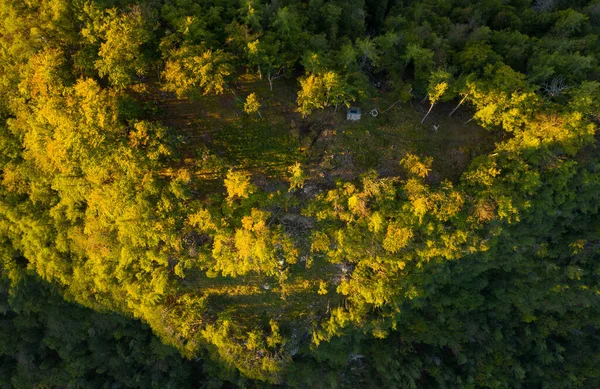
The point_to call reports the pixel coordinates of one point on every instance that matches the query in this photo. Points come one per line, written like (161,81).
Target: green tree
(122,36)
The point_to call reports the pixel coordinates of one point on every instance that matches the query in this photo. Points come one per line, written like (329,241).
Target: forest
(185,204)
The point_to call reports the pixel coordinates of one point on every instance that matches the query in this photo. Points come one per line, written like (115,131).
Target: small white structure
(353,114)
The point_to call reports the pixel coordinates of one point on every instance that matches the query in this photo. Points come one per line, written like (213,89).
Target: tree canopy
(183,205)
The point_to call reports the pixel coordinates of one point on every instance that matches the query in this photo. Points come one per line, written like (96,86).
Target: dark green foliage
(47,342)
(135,183)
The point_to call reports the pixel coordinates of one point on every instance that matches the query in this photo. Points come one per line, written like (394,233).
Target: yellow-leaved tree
(238,185)
(438,85)
(192,69)
(322,90)
(252,105)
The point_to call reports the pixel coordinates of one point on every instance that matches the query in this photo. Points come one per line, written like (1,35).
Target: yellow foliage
(193,67)
(253,47)
(275,339)
(321,90)
(322,287)
(357,205)
(507,210)
(376,222)
(238,185)
(320,242)
(244,243)
(252,105)
(396,238)
(577,246)
(417,166)
(297,177)
(437,91)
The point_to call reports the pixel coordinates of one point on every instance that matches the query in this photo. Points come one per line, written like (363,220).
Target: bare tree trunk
(424,98)
(459,104)
(259,114)
(391,106)
(363,62)
(259,72)
(272,76)
(236,96)
(428,112)
(470,120)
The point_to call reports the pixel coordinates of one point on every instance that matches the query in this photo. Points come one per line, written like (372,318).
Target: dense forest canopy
(183,204)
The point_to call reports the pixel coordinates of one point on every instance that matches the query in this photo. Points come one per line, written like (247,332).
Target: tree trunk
(391,106)
(428,112)
(459,104)
(274,75)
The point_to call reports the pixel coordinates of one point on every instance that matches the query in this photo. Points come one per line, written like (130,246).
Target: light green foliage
(422,58)
(586,98)
(476,55)
(121,36)
(569,22)
(267,55)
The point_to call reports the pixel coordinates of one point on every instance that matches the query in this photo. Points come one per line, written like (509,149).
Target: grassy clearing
(326,143)
(235,139)
(348,149)
(218,135)
(259,295)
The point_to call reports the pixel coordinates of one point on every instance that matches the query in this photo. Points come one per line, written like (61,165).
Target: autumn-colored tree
(252,105)
(320,91)
(192,68)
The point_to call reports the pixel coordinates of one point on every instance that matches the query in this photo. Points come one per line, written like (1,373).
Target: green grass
(257,145)
(349,149)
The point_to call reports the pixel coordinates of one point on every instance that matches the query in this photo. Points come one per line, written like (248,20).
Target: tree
(476,55)
(422,58)
(252,105)
(238,185)
(122,37)
(270,60)
(297,176)
(322,90)
(192,68)
(502,97)
(438,85)
(56,343)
